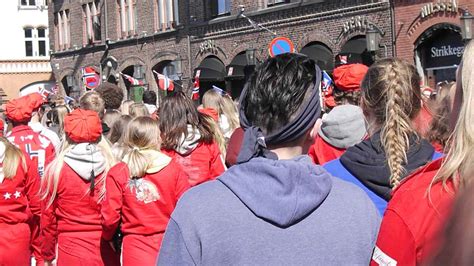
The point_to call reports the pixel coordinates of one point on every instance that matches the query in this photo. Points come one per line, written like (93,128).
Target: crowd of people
(383,178)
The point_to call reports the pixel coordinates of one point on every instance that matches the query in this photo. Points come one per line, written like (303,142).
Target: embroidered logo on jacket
(144,190)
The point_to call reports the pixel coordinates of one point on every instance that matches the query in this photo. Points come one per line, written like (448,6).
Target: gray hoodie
(268,212)
(83,158)
(344,126)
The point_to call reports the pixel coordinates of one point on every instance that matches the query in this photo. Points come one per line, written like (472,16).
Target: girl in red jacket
(188,138)
(72,190)
(142,191)
(421,204)
(19,204)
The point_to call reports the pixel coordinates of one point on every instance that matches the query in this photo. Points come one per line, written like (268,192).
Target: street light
(250,56)
(178,67)
(466,26)
(371,37)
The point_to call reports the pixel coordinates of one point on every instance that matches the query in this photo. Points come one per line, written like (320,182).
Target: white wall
(13,20)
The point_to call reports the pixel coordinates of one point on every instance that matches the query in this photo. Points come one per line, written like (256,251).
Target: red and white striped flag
(164,83)
(196,88)
(133,81)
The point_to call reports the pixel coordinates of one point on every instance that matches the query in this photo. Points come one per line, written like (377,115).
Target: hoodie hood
(189,143)
(2,157)
(85,157)
(344,126)
(279,191)
(368,163)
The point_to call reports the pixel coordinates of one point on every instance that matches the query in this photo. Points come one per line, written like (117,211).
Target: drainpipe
(105,21)
(394,41)
(190,65)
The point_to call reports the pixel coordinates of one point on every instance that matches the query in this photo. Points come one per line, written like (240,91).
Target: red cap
(349,77)
(83,126)
(210,112)
(21,109)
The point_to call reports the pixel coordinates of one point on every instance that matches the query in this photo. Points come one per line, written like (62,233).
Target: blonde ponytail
(392,94)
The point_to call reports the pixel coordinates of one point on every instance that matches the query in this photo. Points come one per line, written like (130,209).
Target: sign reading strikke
(446,50)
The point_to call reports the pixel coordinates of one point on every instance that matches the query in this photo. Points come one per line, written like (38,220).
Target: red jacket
(142,211)
(39,148)
(411,226)
(203,164)
(74,210)
(322,152)
(19,199)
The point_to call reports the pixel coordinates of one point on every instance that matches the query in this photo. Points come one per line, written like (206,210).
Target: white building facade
(24,50)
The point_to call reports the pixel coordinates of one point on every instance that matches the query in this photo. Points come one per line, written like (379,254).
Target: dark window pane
(23,2)
(41,33)
(29,48)
(42,48)
(28,33)
(32,2)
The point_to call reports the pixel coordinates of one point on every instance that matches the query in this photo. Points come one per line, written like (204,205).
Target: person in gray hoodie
(275,207)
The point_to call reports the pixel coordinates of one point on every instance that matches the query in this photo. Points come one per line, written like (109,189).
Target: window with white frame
(220,7)
(27,2)
(167,14)
(36,42)
(127,13)
(62,30)
(276,2)
(91,22)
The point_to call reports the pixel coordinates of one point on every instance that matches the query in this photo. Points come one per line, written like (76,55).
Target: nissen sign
(433,8)
(446,50)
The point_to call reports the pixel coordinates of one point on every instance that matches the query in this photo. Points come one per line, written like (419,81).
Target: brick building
(428,33)
(205,38)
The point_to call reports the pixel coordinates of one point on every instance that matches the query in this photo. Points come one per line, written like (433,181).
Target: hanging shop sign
(444,51)
(433,8)
(208,46)
(280,45)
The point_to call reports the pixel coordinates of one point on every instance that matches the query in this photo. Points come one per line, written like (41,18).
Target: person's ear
(314,131)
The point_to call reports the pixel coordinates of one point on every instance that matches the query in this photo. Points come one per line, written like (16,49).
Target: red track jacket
(202,164)
(39,148)
(144,205)
(411,226)
(322,152)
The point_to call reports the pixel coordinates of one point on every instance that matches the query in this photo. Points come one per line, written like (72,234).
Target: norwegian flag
(343,59)
(132,80)
(196,88)
(44,92)
(90,78)
(326,82)
(164,83)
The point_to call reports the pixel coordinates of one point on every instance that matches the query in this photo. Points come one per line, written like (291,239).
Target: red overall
(202,164)
(144,205)
(73,222)
(19,208)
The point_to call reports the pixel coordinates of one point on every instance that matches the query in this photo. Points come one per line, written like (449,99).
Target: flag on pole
(133,81)
(164,83)
(196,86)
(90,78)
(44,92)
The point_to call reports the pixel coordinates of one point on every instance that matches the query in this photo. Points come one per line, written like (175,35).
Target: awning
(321,54)
(235,70)
(211,69)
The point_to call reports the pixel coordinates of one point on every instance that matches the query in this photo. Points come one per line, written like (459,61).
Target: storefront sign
(355,23)
(442,51)
(433,8)
(445,51)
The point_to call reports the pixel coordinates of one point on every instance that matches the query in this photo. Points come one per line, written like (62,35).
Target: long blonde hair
(13,157)
(50,181)
(143,134)
(216,133)
(391,95)
(223,104)
(459,162)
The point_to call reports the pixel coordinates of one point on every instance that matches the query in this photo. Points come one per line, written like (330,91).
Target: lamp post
(178,62)
(466,26)
(371,37)
(250,56)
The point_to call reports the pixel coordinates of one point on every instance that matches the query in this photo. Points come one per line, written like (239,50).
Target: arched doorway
(237,72)
(355,51)
(321,54)
(211,72)
(438,53)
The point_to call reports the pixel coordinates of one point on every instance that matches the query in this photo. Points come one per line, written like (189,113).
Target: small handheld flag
(90,78)
(164,83)
(133,81)
(196,88)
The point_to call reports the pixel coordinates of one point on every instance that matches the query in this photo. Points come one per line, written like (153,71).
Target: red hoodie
(322,152)
(202,164)
(145,204)
(39,148)
(411,226)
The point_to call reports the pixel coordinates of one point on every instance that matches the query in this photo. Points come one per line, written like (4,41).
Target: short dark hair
(112,95)
(277,89)
(149,97)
